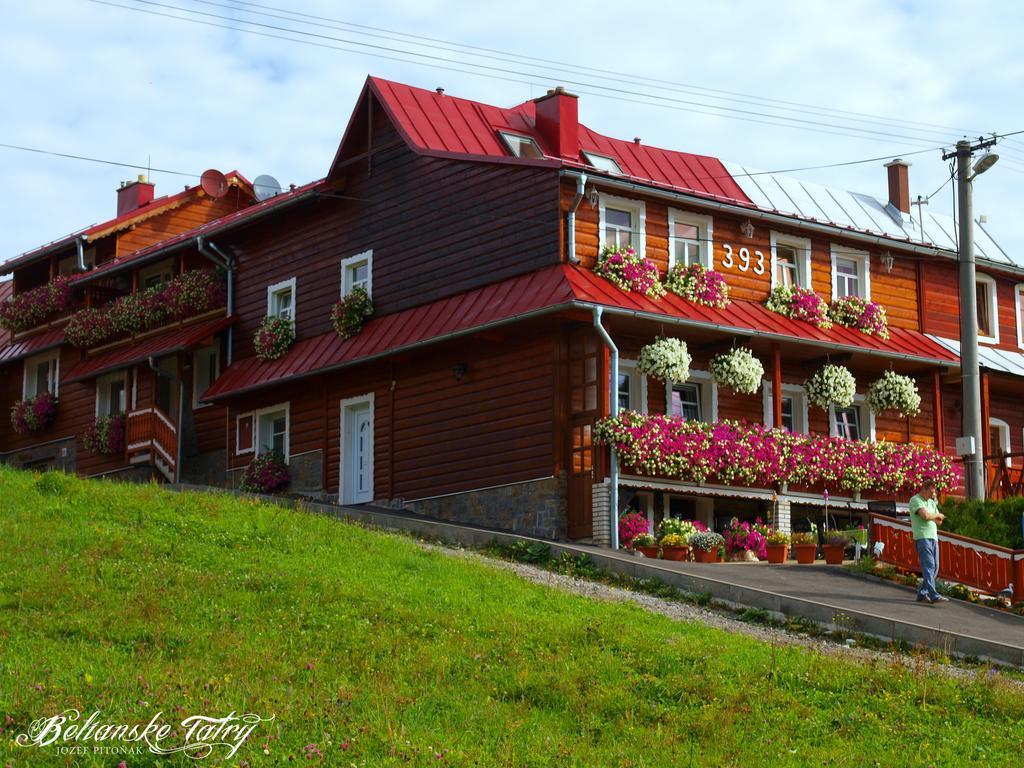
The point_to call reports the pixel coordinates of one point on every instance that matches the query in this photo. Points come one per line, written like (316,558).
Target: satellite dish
(265,187)
(214,183)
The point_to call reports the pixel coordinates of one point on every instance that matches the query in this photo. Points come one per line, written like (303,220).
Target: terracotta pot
(675,553)
(834,553)
(777,553)
(702,556)
(651,552)
(805,553)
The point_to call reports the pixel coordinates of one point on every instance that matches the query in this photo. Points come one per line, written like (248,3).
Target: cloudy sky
(858,80)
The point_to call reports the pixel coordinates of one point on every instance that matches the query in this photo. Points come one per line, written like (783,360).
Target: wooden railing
(1004,479)
(149,431)
(978,564)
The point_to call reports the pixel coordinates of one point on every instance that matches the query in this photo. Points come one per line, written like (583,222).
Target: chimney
(899,184)
(558,122)
(134,194)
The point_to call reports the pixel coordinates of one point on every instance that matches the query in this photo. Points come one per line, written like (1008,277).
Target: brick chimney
(134,194)
(899,184)
(558,121)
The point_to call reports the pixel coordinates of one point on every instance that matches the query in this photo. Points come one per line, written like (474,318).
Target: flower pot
(675,553)
(651,552)
(705,556)
(805,553)
(834,553)
(777,553)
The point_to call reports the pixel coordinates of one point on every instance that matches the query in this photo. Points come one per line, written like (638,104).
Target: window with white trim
(791,260)
(42,374)
(632,388)
(988,309)
(602,163)
(281,299)
(111,393)
(794,408)
(856,422)
(622,222)
(689,239)
(1018,299)
(999,437)
(156,274)
(272,430)
(521,146)
(694,400)
(851,275)
(205,370)
(357,271)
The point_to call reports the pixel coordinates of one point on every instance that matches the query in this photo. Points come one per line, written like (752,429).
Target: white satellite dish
(265,187)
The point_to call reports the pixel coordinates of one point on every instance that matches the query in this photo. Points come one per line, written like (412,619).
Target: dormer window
(622,223)
(281,299)
(521,146)
(602,163)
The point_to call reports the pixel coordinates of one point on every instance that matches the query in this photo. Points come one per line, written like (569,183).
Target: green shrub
(998,522)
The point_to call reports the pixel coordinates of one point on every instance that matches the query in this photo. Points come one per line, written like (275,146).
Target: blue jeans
(928,556)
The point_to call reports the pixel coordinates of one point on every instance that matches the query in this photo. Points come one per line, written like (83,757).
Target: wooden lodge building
(472,391)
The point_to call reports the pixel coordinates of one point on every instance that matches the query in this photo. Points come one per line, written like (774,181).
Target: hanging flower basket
(894,392)
(665,360)
(274,337)
(267,473)
(105,435)
(866,316)
(737,370)
(349,314)
(799,304)
(831,385)
(31,308)
(698,284)
(34,414)
(630,271)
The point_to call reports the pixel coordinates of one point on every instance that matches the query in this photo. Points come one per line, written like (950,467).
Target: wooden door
(583,408)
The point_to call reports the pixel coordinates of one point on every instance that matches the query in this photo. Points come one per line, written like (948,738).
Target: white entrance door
(357,454)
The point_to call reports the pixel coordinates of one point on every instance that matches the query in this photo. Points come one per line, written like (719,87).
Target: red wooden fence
(150,431)
(968,561)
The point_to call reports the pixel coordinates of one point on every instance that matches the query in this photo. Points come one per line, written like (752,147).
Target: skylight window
(602,163)
(522,146)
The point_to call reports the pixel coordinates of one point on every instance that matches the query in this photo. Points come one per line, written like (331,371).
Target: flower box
(34,414)
(866,316)
(805,553)
(105,435)
(705,556)
(31,308)
(274,337)
(777,553)
(675,553)
(651,552)
(350,312)
(267,473)
(833,553)
(630,271)
(799,304)
(698,284)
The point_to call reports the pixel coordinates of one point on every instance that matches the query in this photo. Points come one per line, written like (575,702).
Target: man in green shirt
(924,521)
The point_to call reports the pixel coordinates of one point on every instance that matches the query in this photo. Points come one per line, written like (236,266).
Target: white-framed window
(357,271)
(791,260)
(602,163)
(156,274)
(643,504)
(1018,300)
(111,393)
(999,437)
(245,431)
(988,309)
(851,273)
(632,389)
(854,423)
(622,222)
(42,374)
(272,430)
(794,408)
(694,400)
(690,239)
(281,299)
(205,370)
(521,146)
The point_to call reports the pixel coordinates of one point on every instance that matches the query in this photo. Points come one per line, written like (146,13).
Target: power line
(97,160)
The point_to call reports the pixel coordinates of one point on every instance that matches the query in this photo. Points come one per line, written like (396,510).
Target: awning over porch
(39,342)
(132,352)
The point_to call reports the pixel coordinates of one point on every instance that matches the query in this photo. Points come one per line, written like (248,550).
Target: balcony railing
(150,437)
(1004,479)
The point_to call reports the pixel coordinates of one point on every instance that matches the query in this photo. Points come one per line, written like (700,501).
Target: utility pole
(974,463)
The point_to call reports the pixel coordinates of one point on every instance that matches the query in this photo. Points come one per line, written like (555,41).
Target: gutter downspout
(80,246)
(218,257)
(613,411)
(581,185)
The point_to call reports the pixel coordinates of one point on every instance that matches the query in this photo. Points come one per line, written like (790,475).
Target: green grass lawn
(131,600)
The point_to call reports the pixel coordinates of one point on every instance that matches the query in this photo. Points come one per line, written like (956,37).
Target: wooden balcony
(1003,478)
(151,437)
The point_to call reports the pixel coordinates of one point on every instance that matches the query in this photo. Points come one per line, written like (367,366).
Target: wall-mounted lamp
(887,261)
(461,369)
(747,229)
(592,197)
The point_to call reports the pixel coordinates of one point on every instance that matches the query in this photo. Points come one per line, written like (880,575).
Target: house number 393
(741,260)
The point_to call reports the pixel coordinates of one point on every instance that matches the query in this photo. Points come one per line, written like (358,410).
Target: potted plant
(631,525)
(834,547)
(350,312)
(674,547)
(831,385)
(866,316)
(743,542)
(273,338)
(630,271)
(894,392)
(105,435)
(267,473)
(705,546)
(737,370)
(34,414)
(665,360)
(645,544)
(777,546)
(698,284)
(804,547)
(799,304)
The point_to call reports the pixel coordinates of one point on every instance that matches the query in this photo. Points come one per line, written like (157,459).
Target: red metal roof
(445,125)
(52,337)
(546,290)
(154,346)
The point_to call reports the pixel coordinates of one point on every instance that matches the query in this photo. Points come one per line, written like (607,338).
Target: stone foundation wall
(205,469)
(60,454)
(306,471)
(534,508)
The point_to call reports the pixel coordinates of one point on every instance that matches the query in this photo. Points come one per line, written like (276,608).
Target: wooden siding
(189,215)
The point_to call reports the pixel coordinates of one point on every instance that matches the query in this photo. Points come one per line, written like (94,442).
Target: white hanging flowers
(737,370)
(666,360)
(831,385)
(894,392)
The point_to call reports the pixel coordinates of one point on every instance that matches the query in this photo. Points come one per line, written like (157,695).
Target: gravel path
(717,618)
